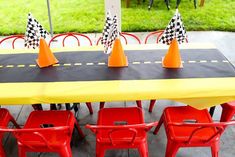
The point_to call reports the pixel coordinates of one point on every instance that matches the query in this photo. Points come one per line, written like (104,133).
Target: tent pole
(114,6)
(49,17)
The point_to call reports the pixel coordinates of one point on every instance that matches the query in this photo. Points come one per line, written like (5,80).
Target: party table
(206,79)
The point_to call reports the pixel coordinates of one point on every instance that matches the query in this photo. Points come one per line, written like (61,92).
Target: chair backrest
(120,134)
(125,36)
(70,34)
(157,35)
(219,128)
(13,39)
(46,136)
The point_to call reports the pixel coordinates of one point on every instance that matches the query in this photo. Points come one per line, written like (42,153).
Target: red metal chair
(124,36)
(157,35)
(5,118)
(119,128)
(189,127)
(70,34)
(14,38)
(228,111)
(47,131)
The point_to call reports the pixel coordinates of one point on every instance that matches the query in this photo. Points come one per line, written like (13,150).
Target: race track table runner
(206,79)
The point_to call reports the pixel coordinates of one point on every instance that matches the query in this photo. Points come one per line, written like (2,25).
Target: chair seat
(185,113)
(110,116)
(56,118)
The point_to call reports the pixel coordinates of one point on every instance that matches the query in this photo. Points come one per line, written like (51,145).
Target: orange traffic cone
(172,58)
(117,57)
(45,57)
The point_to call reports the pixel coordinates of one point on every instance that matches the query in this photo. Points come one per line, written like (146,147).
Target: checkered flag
(34,32)
(110,33)
(175,29)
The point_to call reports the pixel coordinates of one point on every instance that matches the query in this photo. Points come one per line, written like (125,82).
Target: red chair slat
(14,37)
(70,34)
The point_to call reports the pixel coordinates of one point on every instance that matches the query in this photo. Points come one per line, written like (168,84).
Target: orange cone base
(117,57)
(45,57)
(124,62)
(46,65)
(171,66)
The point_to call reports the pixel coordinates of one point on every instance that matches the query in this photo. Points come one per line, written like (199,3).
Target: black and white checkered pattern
(110,33)
(175,29)
(34,32)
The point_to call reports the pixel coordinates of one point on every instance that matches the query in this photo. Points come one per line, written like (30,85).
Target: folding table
(207,78)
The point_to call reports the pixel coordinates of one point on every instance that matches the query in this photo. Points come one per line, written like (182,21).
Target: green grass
(88,15)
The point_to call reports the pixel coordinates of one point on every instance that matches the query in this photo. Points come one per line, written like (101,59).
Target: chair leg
(102,104)
(158,126)
(143,150)
(127,3)
(215,149)
(75,107)
(14,122)
(177,3)
(139,104)
(152,102)
(68,106)
(2,152)
(171,149)
(53,107)
(167,4)
(195,4)
(150,4)
(65,151)
(37,107)
(21,151)
(77,126)
(88,104)
(100,150)
(227,114)
(202,3)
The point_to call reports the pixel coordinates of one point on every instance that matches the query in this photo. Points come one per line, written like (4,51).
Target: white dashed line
(101,63)
(135,62)
(158,62)
(89,63)
(77,63)
(56,65)
(147,62)
(32,65)
(10,66)
(21,66)
(203,61)
(67,64)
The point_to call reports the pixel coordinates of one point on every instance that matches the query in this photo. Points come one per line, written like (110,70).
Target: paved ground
(157,144)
